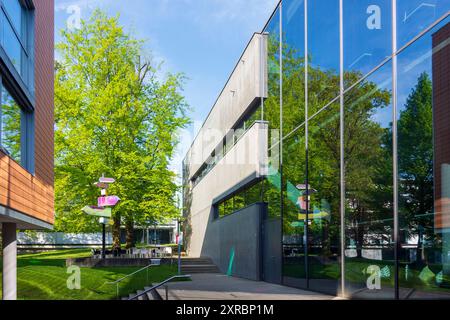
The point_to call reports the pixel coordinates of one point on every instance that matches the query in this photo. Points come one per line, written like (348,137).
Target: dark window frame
(24,79)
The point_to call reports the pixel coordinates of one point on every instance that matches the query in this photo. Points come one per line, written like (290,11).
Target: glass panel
(324,200)
(272,103)
(239,201)
(367,36)
(11,45)
(253,194)
(424,165)
(293,64)
(272,115)
(272,191)
(413,16)
(221,208)
(10,125)
(323,53)
(254,116)
(15,12)
(369,251)
(228,206)
(294,171)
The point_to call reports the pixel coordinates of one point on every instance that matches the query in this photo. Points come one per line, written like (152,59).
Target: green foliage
(10,125)
(366,158)
(415,157)
(114,117)
(43,276)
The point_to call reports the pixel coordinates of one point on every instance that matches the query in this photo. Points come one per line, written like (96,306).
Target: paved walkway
(221,287)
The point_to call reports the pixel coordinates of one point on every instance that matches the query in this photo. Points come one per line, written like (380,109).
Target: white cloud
(248,10)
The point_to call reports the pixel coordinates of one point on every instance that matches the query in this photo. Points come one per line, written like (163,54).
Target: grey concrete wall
(247,158)
(247,82)
(240,231)
(272,253)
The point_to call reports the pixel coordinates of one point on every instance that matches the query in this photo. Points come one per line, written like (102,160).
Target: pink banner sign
(101,185)
(109,201)
(106,180)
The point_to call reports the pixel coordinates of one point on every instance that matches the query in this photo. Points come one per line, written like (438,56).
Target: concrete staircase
(188,266)
(198,265)
(152,295)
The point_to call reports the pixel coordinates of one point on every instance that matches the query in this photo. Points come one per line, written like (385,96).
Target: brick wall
(19,190)
(441,116)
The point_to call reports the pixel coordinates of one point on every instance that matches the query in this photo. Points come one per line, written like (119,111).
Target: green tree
(113,116)
(366,158)
(10,126)
(415,161)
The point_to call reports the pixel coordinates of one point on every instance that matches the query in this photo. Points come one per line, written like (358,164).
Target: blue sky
(201,38)
(204,38)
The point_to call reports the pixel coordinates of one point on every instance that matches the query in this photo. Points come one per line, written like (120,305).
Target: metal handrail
(129,275)
(159,285)
(118,281)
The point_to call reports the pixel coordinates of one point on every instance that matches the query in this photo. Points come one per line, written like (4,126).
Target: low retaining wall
(115,262)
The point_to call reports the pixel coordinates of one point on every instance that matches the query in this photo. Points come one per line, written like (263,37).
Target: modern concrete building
(26,126)
(323,164)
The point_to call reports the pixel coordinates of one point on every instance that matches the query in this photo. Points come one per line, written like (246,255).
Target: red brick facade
(19,190)
(441,116)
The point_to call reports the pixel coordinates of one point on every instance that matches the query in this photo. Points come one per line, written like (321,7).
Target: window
(10,126)
(228,143)
(15,12)
(16,35)
(240,199)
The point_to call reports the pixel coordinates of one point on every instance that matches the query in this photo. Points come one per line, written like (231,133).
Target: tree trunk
(129,226)
(359,241)
(419,249)
(116,232)
(326,251)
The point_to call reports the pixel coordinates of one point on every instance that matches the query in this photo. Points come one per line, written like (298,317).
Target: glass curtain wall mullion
(394,147)
(281,133)
(306,221)
(342,149)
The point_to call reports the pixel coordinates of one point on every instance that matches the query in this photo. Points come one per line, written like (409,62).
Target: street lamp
(103,208)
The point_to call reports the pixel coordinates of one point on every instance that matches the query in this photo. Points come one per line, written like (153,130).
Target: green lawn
(355,273)
(43,276)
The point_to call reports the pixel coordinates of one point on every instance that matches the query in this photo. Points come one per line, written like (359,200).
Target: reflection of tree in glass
(10,126)
(368,166)
(415,158)
(367,162)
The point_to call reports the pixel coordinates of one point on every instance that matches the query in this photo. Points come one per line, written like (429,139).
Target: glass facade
(17,83)
(16,37)
(359,142)
(241,199)
(10,125)
(359,159)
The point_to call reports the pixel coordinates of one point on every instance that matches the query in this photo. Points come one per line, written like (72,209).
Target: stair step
(152,295)
(161,291)
(143,296)
(184,263)
(199,266)
(192,271)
